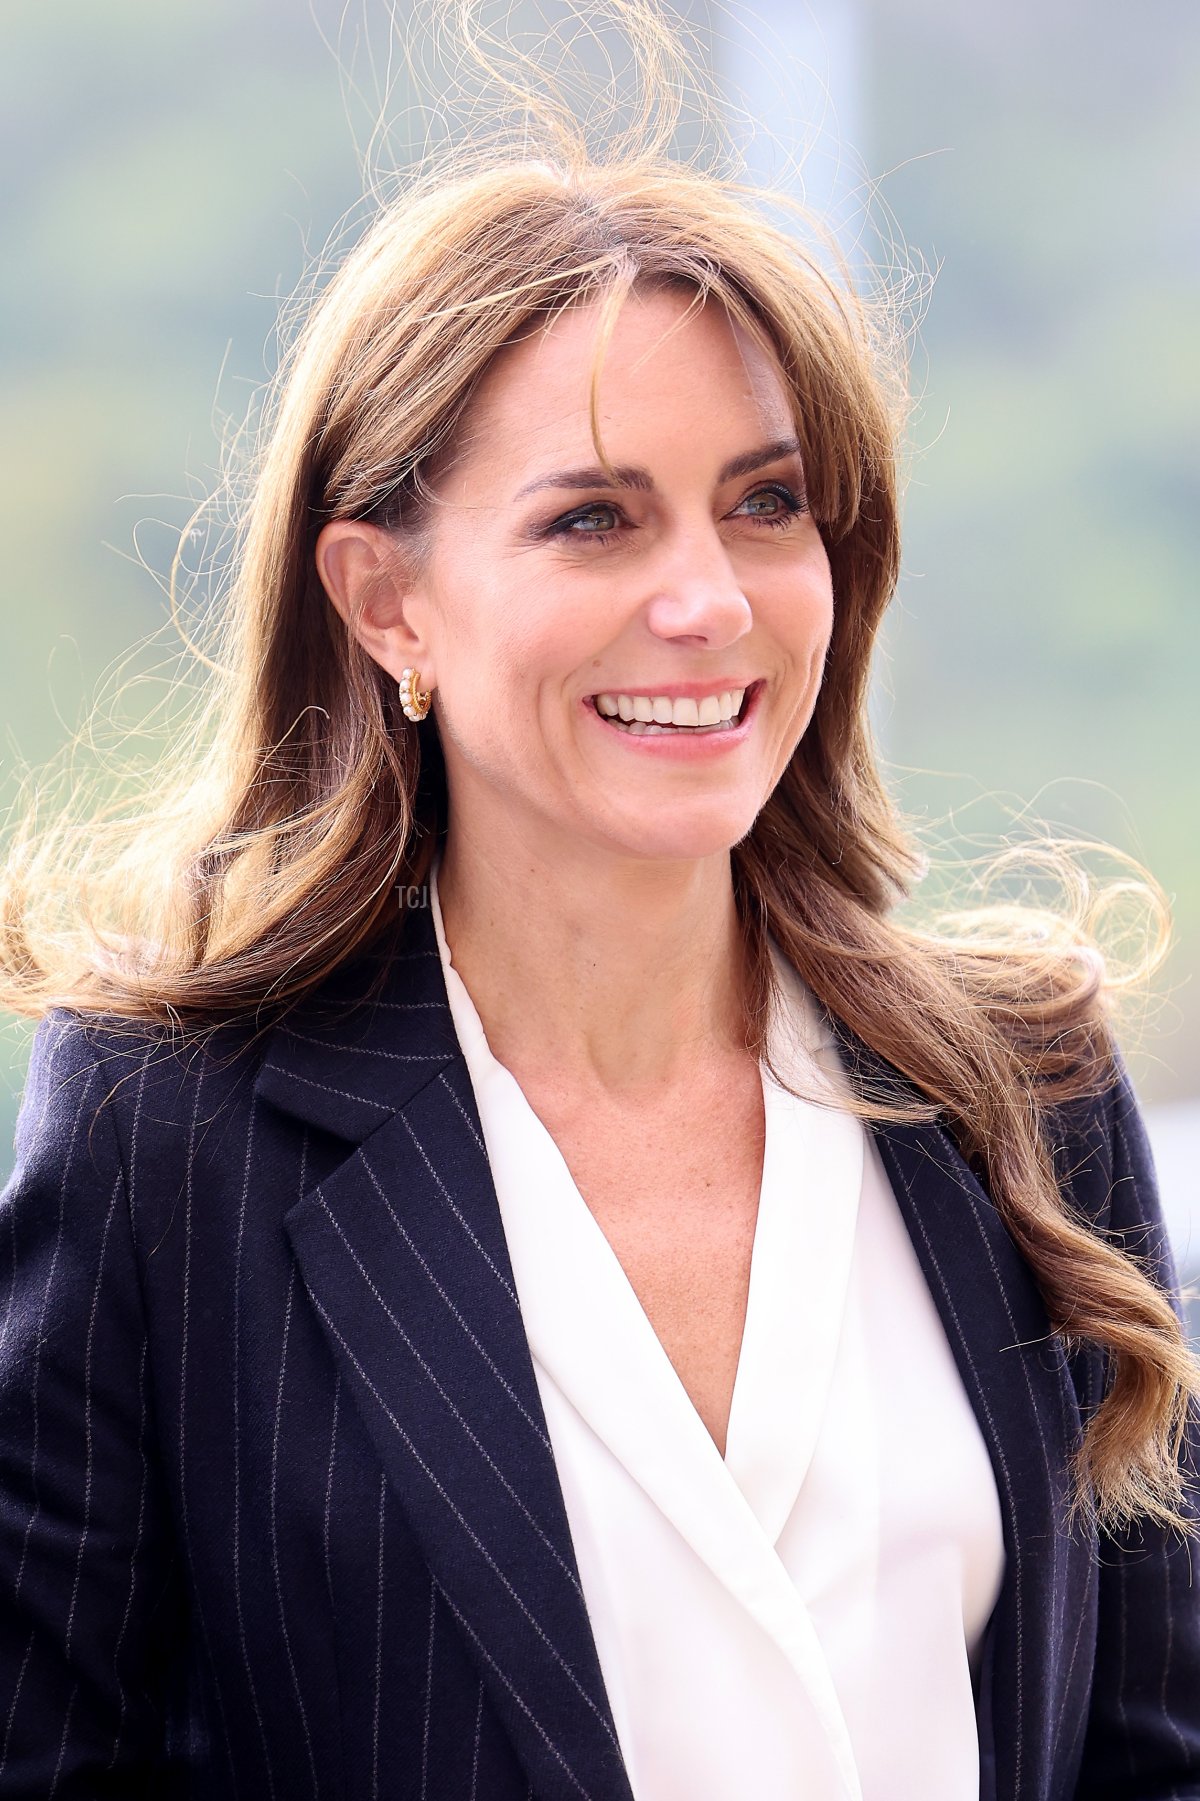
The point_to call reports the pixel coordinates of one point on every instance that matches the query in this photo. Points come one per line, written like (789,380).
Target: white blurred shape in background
(1174,1132)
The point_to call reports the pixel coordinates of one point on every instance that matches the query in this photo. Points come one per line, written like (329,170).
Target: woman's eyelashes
(576,524)
(772,505)
(789,504)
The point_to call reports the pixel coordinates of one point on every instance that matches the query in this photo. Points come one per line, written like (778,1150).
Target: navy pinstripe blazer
(278,1511)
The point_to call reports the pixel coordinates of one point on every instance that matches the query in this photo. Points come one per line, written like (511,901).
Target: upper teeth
(657,709)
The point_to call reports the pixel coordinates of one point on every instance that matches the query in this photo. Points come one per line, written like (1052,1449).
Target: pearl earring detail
(413,698)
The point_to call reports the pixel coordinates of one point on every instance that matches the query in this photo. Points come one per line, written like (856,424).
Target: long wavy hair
(267,846)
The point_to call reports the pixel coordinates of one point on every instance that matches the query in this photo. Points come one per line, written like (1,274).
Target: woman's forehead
(671,367)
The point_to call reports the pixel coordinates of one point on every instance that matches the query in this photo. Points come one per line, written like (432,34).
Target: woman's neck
(622,974)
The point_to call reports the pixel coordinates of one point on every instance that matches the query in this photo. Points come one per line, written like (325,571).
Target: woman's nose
(699,595)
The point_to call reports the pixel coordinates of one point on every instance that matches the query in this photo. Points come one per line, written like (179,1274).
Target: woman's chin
(684,835)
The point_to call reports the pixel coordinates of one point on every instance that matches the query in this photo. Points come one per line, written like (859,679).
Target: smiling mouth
(651,715)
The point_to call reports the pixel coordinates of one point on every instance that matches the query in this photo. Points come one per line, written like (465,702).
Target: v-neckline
(590,1331)
(591,1338)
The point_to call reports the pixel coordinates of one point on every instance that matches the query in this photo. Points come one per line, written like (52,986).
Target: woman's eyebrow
(628,476)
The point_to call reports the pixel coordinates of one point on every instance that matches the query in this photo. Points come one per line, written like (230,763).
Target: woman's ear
(365,575)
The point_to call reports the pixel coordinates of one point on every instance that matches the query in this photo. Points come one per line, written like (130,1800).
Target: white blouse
(799,1620)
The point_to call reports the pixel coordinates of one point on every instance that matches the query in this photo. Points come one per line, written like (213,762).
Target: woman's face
(695,588)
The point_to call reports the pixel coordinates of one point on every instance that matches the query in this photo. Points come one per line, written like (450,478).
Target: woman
(525,1278)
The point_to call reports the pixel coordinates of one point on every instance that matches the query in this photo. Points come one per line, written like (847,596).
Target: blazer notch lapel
(1017,1378)
(404,1258)
(351,1054)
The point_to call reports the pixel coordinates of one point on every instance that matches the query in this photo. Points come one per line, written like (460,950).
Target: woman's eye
(588,522)
(772,506)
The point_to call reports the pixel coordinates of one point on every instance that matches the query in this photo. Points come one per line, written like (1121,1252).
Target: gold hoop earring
(413,698)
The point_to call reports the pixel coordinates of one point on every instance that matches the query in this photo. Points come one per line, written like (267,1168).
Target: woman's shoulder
(154,1081)
(1103,1160)
(104,1082)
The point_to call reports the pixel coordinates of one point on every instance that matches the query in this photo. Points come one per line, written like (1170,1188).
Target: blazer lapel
(404,1258)
(1016,1375)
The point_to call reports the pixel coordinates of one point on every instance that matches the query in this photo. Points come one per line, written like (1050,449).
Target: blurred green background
(169,170)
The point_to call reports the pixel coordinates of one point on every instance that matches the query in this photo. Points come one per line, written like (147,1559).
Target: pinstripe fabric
(278,1509)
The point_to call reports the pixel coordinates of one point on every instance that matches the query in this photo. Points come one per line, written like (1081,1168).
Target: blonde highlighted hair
(268,846)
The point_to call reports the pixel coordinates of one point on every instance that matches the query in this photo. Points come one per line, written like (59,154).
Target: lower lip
(683,746)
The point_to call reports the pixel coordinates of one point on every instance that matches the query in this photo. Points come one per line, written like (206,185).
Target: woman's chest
(676,1195)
